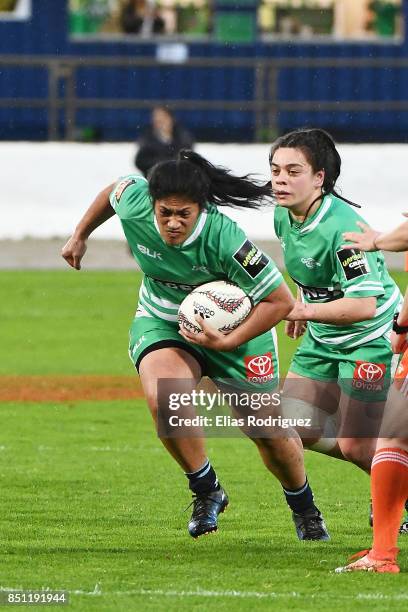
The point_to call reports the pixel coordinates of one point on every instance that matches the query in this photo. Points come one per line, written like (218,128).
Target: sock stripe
(297,491)
(395,456)
(389,460)
(205,471)
(204,468)
(391,451)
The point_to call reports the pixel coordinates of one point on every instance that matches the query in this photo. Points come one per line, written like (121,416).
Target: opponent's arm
(399,342)
(340,312)
(371,240)
(265,315)
(99,212)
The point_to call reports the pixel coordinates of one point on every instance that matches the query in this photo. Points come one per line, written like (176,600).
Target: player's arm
(357,275)
(371,240)
(99,212)
(265,315)
(339,312)
(295,329)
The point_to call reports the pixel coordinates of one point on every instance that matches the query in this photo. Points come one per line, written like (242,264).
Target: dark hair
(320,151)
(193,177)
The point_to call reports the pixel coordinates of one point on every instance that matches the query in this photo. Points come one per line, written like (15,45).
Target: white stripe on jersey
(323,211)
(276,350)
(158,301)
(141,312)
(340,339)
(267,281)
(396,297)
(198,229)
(158,313)
(358,288)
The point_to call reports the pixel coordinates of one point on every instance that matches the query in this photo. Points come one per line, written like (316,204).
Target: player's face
(176,218)
(294,183)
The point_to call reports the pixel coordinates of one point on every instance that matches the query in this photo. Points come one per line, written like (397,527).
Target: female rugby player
(180,240)
(346,301)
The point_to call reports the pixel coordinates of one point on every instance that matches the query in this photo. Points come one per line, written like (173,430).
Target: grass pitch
(91,502)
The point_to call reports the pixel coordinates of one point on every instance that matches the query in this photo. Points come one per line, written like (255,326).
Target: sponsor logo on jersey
(146,251)
(122,186)
(251,259)
(310,262)
(173,285)
(369,376)
(353,262)
(259,368)
(314,294)
(283,243)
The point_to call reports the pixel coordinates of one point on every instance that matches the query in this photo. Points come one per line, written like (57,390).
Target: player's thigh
(312,404)
(395,422)
(253,366)
(247,379)
(313,374)
(163,359)
(364,378)
(310,390)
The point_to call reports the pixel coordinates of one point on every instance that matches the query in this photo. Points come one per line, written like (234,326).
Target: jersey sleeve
(129,195)
(246,265)
(358,273)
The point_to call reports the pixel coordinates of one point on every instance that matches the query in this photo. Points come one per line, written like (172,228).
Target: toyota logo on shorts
(260,365)
(370,372)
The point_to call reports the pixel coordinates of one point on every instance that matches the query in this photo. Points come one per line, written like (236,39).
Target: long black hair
(320,151)
(196,179)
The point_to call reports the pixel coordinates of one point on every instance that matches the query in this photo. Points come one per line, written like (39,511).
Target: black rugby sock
(300,500)
(203,480)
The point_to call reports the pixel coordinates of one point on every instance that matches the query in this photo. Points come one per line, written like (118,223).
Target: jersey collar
(316,217)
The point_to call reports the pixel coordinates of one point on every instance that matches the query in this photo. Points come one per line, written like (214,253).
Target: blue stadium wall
(46,33)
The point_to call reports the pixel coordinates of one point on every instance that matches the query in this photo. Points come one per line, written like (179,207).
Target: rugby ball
(220,303)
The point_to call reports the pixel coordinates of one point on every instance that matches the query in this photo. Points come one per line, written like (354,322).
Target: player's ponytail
(195,178)
(320,151)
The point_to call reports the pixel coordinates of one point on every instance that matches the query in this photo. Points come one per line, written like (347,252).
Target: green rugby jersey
(216,249)
(324,271)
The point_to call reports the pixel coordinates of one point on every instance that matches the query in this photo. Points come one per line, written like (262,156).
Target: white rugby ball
(220,303)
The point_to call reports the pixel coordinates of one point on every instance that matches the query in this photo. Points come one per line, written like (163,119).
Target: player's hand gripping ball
(221,304)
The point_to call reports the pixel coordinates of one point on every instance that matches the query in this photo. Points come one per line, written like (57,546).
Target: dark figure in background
(141,17)
(161,140)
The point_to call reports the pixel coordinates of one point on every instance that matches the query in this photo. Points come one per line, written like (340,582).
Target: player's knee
(358,451)
(153,404)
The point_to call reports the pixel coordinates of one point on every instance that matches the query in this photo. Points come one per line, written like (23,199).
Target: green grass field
(91,502)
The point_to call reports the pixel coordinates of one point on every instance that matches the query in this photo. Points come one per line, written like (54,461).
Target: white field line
(97,591)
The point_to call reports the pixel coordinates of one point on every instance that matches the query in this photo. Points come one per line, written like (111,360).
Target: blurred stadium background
(79,510)
(233,71)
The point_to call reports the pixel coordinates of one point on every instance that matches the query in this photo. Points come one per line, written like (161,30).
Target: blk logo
(146,251)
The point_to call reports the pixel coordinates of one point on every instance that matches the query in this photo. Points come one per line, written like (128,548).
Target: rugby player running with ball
(180,240)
